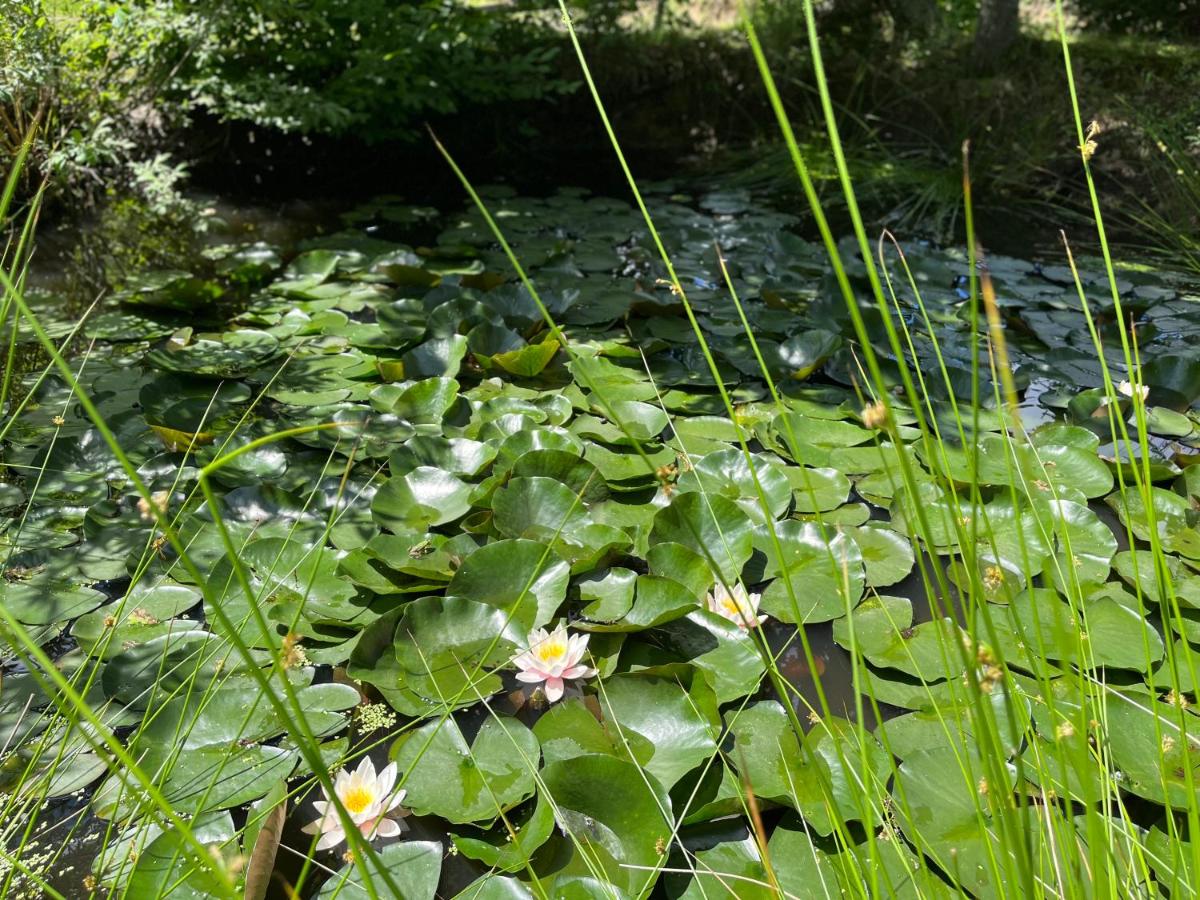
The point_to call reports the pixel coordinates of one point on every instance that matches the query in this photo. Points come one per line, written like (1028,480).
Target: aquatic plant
(953,560)
(553,658)
(736,604)
(370,799)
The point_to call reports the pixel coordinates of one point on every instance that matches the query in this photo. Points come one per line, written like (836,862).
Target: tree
(998,27)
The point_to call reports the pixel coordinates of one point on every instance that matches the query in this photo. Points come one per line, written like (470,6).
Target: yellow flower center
(550,650)
(357,799)
(731,606)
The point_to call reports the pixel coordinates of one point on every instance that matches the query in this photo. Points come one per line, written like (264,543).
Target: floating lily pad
(617,814)
(228,355)
(714,527)
(422,497)
(461,782)
(438,652)
(408,870)
(521,577)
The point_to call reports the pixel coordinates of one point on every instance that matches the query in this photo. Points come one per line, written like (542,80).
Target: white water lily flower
(369,800)
(1143,391)
(553,657)
(737,605)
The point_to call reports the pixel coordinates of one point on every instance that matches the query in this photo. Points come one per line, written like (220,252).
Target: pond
(370,469)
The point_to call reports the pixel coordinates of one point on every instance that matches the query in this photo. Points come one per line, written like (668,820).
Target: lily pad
(408,870)
(461,782)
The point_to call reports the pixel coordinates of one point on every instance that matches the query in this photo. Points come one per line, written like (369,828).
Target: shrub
(107,80)
(374,68)
(88,75)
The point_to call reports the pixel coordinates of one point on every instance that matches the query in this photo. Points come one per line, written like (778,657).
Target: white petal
(366,769)
(576,649)
(532,677)
(397,800)
(331,839)
(554,689)
(386,780)
(387,828)
(371,812)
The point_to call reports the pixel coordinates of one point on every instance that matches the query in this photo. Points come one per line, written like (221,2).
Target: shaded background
(139,107)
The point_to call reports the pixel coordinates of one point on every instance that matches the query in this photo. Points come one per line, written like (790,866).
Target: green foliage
(371,68)
(402,475)
(86,74)
(106,82)
(432,521)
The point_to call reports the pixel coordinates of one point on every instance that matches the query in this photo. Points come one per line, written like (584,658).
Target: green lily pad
(679,726)
(288,582)
(408,870)
(716,528)
(229,355)
(616,813)
(42,602)
(461,782)
(727,473)
(508,844)
(537,508)
(204,779)
(145,613)
(887,556)
(527,361)
(881,629)
(143,674)
(724,651)
(435,653)
(168,864)
(522,578)
(1155,747)
(814,778)
(817,490)
(420,498)
(814,581)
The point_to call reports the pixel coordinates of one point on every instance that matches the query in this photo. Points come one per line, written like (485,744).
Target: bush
(373,68)
(107,80)
(89,77)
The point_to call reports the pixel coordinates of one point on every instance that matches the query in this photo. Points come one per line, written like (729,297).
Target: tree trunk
(997,29)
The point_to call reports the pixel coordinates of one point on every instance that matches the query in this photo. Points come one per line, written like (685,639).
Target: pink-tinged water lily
(737,605)
(369,800)
(553,657)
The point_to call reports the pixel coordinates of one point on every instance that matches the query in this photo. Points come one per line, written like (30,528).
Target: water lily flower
(738,606)
(369,800)
(553,657)
(1143,390)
